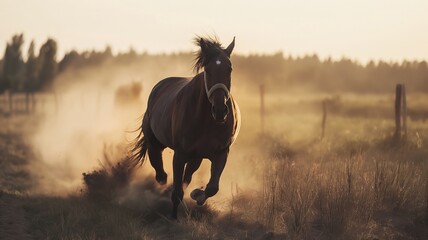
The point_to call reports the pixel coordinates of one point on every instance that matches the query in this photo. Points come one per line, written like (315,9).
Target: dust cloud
(87,119)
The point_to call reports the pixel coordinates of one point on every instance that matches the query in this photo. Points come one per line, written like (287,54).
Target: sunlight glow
(361,30)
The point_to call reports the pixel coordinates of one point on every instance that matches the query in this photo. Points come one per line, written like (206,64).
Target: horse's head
(215,61)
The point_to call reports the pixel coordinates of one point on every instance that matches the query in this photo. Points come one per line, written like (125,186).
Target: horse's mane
(211,48)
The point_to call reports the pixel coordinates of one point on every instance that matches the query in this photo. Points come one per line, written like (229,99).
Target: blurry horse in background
(196,117)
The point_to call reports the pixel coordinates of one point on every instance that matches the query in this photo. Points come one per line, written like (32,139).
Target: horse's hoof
(161,178)
(196,193)
(199,196)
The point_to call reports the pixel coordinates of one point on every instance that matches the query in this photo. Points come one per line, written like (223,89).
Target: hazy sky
(358,29)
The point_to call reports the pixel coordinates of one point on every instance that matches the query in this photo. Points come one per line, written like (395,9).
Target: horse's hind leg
(155,156)
(154,149)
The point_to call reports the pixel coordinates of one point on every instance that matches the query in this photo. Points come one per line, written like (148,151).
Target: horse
(195,117)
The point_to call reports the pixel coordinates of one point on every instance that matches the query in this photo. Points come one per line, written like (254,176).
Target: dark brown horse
(196,117)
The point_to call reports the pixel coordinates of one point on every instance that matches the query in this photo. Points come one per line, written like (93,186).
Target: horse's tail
(139,150)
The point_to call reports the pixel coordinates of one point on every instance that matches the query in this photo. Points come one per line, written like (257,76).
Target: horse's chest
(206,141)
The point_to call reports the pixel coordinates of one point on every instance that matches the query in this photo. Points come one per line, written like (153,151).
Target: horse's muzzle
(220,113)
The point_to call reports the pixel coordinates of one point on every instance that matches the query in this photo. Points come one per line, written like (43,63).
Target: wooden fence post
(398,100)
(262,107)
(400,112)
(324,117)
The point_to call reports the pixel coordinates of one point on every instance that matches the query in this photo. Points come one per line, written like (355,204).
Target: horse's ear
(203,45)
(229,48)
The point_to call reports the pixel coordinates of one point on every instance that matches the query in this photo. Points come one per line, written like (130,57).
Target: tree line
(34,74)
(331,76)
(278,72)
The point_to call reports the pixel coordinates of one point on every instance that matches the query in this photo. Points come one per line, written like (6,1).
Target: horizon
(361,31)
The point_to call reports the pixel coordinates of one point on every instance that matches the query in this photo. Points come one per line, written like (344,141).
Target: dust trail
(91,116)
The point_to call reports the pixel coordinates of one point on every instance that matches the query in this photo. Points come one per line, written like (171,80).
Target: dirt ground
(27,214)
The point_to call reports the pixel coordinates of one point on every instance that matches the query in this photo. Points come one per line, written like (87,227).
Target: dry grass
(369,194)
(354,184)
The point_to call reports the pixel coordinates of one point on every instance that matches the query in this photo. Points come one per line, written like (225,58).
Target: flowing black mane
(209,48)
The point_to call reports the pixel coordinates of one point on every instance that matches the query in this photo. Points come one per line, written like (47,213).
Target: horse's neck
(196,92)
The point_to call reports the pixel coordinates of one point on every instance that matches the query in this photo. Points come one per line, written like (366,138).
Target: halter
(215,87)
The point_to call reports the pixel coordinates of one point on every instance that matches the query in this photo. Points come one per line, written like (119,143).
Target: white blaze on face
(218,62)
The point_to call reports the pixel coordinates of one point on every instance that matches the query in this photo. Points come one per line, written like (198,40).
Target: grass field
(283,183)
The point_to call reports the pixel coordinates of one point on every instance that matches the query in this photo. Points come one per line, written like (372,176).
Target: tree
(68,60)
(13,65)
(31,82)
(47,63)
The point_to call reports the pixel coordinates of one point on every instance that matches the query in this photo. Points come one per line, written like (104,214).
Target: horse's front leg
(217,165)
(179,162)
(191,167)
